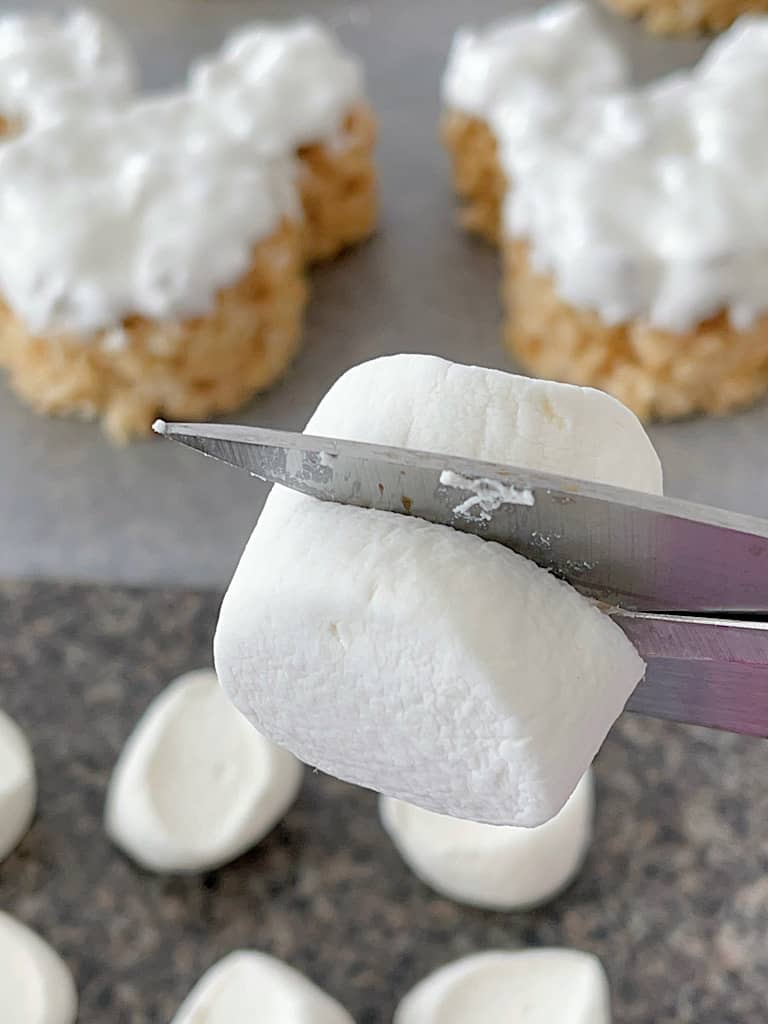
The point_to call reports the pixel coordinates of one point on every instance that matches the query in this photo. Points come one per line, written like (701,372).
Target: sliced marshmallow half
(493,866)
(18,785)
(425,663)
(36,986)
(532,986)
(195,786)
(246,986)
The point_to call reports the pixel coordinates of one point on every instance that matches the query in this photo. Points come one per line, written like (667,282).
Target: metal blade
(629,549)
(701,671)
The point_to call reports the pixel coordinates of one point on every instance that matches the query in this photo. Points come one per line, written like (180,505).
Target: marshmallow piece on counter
(36,986)
(284,85)
(195,786)
(532,986)
(18,785)
(246,986)
(493,866)
(425,663)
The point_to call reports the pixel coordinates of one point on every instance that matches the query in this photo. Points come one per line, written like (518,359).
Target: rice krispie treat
(292,89)
(667,17)
(55,66)
(172,284)
(636,238)
(528,67)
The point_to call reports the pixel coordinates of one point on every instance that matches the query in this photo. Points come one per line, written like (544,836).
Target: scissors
(688,584)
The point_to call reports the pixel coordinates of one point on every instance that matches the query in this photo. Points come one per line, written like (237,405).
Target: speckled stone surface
(673,897)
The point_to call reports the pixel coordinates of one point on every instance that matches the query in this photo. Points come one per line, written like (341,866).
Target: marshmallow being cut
(492,866)
(18,785)
(247,986)
(36,986)
(425,663)
(195,786)
(532,986)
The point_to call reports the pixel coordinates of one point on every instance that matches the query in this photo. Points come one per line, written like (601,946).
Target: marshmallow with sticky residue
(493,866)
(36,986)
(18,785)
(428,664)
(246,986)
(195,786)
(532,986)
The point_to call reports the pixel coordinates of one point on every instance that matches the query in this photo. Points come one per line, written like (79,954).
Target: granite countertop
(673,897)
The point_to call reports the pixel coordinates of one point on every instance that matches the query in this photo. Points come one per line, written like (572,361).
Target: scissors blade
(701,671)
(639,551)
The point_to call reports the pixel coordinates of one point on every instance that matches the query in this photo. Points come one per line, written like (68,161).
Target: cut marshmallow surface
(533,986)
(195,786)
(36,986)
(492,866)
(18,785)
(246,986)
(425,663)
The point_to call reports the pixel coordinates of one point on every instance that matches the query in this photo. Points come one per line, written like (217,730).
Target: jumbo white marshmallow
(425,663)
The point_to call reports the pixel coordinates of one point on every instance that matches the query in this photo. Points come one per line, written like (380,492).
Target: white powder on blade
(487,495)
(55,67)
(426,663)
(544,60)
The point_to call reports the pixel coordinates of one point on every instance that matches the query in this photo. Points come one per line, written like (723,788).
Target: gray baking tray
(72,506)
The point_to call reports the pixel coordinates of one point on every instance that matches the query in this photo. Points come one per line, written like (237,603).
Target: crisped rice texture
(666,17)
(187,369)
(338,187)
(712,369)
(477,176)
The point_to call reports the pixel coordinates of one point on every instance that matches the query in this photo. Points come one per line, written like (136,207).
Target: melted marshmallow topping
(652,203)
(155,209)
(51,67)
(541,59)
(283,85)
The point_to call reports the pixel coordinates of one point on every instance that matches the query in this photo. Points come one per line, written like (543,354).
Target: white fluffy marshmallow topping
(281,85)
(53,67)
(156,208)
(651,203)
(425,663)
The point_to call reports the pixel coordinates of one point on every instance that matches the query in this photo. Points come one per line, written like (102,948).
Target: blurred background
(73,506)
